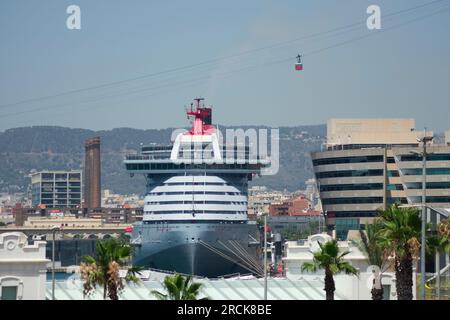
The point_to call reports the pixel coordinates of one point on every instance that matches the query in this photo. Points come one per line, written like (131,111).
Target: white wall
(347,287)
(23,265)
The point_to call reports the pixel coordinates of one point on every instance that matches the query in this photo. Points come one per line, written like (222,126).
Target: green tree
(332,262)
(444,235)
(178,287)
(399,237)
(440,242)
(103,269)
(371,245)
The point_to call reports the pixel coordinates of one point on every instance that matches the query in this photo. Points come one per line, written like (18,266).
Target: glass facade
(353,200)
(429,185)
(395,168)
(430,157)
(356,159)
(350,173)
(390,201)
(394,187)
(429,171)
(70,252)
(438,199)
(393,173)
(345,187)
(353,214)
(344,225)
(390,160)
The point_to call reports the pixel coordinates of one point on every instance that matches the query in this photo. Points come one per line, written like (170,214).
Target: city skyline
(244,69)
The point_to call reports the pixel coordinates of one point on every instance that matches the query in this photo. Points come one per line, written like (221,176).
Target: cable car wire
(230,73)
(214,60)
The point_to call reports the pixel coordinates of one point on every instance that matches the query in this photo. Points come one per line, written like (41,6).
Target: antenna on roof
(199,100)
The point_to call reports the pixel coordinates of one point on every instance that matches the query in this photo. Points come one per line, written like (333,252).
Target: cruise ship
(195,213)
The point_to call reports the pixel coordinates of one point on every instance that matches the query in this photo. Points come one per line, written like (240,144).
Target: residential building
(56,189)
(113,200)
(298,205)
(123,214)
(260,198)
(311,192)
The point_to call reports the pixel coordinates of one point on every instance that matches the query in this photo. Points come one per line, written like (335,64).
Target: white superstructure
(204,197)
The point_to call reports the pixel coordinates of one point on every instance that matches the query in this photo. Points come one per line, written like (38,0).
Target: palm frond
(309,266)
(159,295)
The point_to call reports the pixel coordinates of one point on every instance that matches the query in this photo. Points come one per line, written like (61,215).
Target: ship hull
(201,249)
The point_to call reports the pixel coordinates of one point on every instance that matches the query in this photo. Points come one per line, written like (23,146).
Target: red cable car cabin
(299,64)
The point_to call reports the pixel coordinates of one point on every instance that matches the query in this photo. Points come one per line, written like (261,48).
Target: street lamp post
(424,141)
(54,230)
(265,256)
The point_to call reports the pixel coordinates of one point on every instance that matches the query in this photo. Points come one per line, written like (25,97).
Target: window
(390,160)
(393,173)
(355,214)
(429,171)
(344,225)
(431,157)
(394,187)
(352,200)
(349,173)
(438,199)
(386,292)
(356,159)
(9,293)
(430,185)
(342,187)
(396,200)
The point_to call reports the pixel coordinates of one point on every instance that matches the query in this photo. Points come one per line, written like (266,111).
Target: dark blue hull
(201,249)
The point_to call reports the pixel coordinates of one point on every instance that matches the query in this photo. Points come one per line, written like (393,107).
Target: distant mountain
(46,148)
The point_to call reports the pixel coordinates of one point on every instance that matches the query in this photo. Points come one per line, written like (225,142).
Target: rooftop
(223,289)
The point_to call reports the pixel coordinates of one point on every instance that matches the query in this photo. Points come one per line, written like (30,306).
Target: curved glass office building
(371,163)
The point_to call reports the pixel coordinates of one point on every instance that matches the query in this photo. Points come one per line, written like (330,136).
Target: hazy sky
(399,72)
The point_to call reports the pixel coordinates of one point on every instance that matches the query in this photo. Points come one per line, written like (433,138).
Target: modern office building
(92,174)
(56,189)
(369,164)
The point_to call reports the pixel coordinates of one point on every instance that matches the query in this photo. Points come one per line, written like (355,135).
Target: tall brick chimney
(92,174)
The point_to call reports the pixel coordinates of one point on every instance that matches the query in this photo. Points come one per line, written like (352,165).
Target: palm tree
(103,269)
(370,244)
(441,241)
(444,235)
(179,288)
(399,237)
(329,259)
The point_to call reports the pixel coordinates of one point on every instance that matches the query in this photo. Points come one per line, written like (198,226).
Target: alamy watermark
(73,21)
(374,20)
(239,146)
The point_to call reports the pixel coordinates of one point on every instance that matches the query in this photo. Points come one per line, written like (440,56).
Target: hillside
(39,148)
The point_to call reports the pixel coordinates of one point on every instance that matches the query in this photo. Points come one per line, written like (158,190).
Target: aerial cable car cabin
(299,64)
